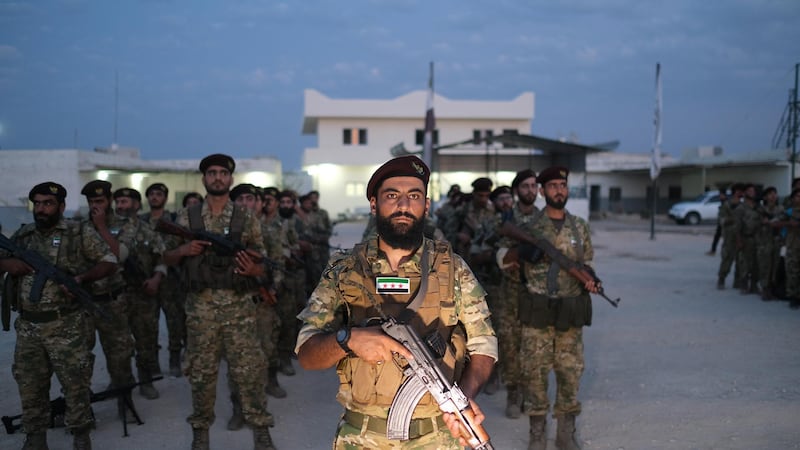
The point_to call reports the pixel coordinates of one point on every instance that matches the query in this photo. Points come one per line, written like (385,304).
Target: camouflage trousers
(268,327)
(349,437)
(792,271)
(115,338)
(543,350)
(58,347)
(747,262)
(768,254)
(171,299)
(729,254)
(220,322)
(508,330)
(291,300)
(144,312)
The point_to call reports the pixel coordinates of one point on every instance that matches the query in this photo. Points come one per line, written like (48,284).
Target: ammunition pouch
(212,271)
(540,311)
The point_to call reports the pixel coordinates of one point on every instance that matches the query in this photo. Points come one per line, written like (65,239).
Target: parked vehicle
(703,208)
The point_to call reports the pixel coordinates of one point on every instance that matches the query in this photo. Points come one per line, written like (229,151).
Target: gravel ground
(679,365)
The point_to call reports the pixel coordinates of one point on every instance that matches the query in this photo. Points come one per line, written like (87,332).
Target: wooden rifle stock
(581,272)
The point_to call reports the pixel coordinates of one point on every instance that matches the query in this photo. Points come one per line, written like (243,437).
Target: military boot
(286,364)
(538,434)
(81,440)
(237,419)
(273,388)
(261,439)
(146,389)
(175,364)
(565,433)
(512,402)
(35,441)
(200,439)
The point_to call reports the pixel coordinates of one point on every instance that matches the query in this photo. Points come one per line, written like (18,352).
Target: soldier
(791,220)
(553,311)
(191,199)
(292,290)
(768,241)
(332,333)
(267,322)
(115,335)
(220,313)
(748,221)
(170,297)
(454,200)
(143,273)
(471,223)
(506,317)
(729,248)
(319,232)
(51,331)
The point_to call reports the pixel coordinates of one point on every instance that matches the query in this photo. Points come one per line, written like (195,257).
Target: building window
(509,132)
(479,135)
(615,194)
(419,137)
(354,189)
(354,136)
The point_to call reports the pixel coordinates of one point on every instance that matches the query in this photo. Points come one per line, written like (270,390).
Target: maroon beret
(552,173)
(402,166)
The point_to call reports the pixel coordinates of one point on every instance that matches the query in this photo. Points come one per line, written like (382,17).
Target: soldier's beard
(286,213)
(556,204)
(403,236)
(46,221)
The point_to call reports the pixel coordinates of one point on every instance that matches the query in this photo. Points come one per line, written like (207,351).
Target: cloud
(8,52)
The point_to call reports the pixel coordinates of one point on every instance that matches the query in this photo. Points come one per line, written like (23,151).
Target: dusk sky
(197,77)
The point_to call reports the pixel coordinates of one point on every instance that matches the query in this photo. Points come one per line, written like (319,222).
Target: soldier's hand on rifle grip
(374,346)
(246,265)
(457,428)
(194,247)
(16,267)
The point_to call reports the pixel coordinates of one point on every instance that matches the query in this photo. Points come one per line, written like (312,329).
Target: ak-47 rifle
(58,407)
(45,270)
(581,272)
(424,375)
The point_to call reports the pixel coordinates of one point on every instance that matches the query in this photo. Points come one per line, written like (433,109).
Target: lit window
(354,189)
(354,136)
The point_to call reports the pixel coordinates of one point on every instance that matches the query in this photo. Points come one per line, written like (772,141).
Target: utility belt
(47,316)
(563,313)
(417,427)
(108,296)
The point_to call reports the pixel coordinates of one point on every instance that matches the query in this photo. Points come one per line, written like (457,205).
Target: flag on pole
(655,158)
(430,124)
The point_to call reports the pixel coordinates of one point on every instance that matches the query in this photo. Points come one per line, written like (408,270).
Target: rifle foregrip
(476,435)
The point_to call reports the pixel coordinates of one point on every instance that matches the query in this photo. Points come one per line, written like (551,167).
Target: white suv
(704,207)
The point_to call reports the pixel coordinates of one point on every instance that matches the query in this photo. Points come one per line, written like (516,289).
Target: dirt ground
(679,365)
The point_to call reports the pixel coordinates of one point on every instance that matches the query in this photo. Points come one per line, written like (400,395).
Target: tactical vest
(140,262)
(370,388)
(67,258)
(210,270)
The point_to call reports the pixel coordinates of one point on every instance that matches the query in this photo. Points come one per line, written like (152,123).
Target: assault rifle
(581,272)
(424,375)
(45,270)
(58,407)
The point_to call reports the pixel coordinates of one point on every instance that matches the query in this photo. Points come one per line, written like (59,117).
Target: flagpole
(655,159)
(430,126)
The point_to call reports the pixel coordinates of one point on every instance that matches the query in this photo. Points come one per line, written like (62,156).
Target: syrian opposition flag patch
(391,285)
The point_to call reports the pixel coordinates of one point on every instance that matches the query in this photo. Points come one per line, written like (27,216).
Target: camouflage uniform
(115,334)
(768,244)
(59,345)
(144,247)
(793,255)
(748,222)
(506,314)
(171,297)
(554,341)
(291,292)
(319,231)
(729,249)
(223,321)
(335,292)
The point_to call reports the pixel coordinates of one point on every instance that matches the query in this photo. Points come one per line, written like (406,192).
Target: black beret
(499,191)
(97,188)
(128,192)
(49,188)
(522,175)
(244,188)
(271,191)
(157,187)
(768,190)
(402,166)
(553,173)
(482,185)
(217,159)
(287,193)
